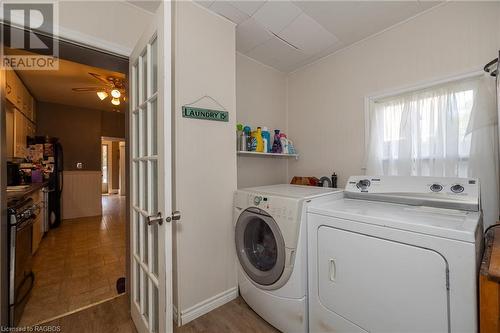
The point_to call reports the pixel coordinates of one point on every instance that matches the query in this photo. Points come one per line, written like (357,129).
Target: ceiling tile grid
(289,34)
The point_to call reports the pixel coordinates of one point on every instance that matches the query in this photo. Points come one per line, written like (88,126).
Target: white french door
(151,204)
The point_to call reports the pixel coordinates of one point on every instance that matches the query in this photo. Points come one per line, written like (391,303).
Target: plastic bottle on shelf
(239,131)
(253,141)
(266,138)
(260,142)
(248,139)
(243,141)
(291,148)
(276,149)
(284,143)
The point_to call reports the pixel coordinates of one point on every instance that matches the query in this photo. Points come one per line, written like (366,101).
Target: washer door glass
(260,246)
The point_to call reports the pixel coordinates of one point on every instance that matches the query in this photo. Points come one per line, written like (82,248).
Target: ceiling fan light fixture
(115,101)
(102,95)
(116,93)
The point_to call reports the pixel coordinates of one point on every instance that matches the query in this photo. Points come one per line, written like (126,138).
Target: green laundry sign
(206,114)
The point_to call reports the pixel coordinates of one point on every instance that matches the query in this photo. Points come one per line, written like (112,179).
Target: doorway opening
(113,166)
(74,255)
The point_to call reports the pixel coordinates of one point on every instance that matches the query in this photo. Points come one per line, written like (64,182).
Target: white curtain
(449,130)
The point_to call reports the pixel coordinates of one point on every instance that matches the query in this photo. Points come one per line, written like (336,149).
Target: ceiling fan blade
(88,89)
(102,79)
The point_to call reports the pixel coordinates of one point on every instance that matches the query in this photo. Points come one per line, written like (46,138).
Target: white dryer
(270,238)
(397,254)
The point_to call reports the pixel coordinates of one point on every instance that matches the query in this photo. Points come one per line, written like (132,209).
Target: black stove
(22,214)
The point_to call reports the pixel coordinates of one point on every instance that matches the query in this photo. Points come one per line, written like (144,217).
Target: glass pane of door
(145,186)
(151,186)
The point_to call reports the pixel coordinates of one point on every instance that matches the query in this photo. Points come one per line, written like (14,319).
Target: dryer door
(260,246)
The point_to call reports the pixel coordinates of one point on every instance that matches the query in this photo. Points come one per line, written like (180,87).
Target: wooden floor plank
(113,316)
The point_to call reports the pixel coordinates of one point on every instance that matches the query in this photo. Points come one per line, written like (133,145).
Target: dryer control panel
(443,192)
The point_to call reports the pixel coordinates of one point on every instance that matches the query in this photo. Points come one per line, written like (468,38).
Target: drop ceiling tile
(276,15)
(247,7)
(249,34)
(335,47)
(352,21)
(277,54)
(229,11)
(308,35)
(426,4)
(205,3)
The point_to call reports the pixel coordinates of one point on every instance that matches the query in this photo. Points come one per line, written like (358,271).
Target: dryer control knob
(257,200)
(363,184)
(457,188)
(436,187)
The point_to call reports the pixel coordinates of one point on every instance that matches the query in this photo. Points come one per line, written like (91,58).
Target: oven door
(21,274)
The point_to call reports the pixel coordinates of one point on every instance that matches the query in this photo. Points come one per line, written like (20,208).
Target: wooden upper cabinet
(9,86)
(19,96)
(24,113)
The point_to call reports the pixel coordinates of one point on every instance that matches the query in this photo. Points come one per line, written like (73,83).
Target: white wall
(326,99)
(260,101)
(205,161)
(101,24)
(105,24)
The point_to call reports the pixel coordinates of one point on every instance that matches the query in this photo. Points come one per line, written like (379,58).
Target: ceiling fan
(112,85)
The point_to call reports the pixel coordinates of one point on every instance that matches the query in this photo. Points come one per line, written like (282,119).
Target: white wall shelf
(254,153)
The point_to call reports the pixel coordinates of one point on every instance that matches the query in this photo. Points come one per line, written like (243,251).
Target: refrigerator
(50,153)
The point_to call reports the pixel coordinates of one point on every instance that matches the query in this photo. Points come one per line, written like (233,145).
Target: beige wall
(204,160)
(260,101)
(326,99)
(79,131)
(113,124)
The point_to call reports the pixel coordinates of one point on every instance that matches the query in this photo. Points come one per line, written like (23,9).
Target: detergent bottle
(259,142)
(266,138)
(248,139)
(284,143)
(253,140)
(291,147)
(276,143)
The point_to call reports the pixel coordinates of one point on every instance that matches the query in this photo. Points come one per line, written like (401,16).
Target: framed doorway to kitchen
(115,217)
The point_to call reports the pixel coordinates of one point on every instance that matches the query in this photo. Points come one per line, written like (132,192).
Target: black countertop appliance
(13,175)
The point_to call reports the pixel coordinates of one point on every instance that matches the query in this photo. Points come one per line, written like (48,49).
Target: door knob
(176,216)
(155,219)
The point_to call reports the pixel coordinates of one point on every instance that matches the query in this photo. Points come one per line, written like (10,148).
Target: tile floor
(78,263)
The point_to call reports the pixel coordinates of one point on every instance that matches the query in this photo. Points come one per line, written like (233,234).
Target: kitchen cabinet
(20,134)
(38,229)
(23,106)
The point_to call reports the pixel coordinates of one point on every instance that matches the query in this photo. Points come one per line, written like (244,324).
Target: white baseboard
(208,305)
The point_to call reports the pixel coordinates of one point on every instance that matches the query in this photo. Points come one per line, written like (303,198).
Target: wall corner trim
(208,305)
(175,314)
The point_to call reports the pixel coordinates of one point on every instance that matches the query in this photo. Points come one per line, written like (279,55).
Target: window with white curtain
(446,130)
(425,132)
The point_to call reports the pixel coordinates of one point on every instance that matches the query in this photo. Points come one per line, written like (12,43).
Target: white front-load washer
(396,254)
(270,239)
